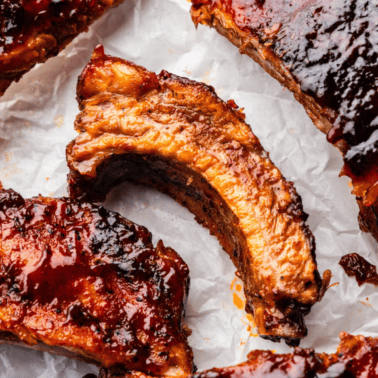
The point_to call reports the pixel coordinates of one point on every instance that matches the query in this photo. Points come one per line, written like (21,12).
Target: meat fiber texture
(36,124)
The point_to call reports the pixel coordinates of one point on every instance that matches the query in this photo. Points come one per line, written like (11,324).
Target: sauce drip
(356,266)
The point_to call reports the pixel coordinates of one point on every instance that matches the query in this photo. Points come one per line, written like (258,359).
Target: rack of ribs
(31,31)
(326,53)
(177,136)
(356,357)
(86,283)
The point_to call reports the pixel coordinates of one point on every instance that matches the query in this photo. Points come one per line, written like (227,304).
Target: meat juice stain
(238,287)
(356,266)
(239,302)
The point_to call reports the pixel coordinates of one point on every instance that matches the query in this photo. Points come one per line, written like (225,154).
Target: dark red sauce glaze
(331,50)
(21,18)
(76,275)
(356,357)
(356,266)
(300,363)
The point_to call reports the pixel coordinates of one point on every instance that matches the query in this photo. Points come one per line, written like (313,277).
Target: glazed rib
(81,281)
(177,136)
(31,31)
(326,53)
(356,357)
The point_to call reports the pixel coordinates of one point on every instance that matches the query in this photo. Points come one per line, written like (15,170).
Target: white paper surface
(36,123)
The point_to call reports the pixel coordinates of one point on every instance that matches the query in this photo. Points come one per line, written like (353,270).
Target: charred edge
(368,218)
(121,372)
(290,341)
(203,12)
(229,106)
(60,34)
(119,168)
(10,199)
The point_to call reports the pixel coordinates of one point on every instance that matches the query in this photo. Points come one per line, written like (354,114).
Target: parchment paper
(36,123)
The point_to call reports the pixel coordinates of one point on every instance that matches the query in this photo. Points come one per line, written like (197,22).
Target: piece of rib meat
(31,31)
(326,53)
(356,357)
(86,283)
(177,136)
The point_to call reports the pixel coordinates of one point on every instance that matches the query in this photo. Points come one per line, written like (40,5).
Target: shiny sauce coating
(330,49)
(20,19)
(356,266)
(81,277)
(356,357)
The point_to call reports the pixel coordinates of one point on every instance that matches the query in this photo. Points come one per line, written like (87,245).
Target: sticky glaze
(32,31)
(331,50)
(356,357)
(79,276)
(356,266)
(21,19)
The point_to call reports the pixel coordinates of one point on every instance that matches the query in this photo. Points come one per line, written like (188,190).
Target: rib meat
(356,357)
(326,53)
(81,281)
(31,31)
(177,136)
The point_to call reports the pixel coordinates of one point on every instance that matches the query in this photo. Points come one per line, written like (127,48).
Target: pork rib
(356,357)
(326,53)
(81,281)
(177,136)
(31,31)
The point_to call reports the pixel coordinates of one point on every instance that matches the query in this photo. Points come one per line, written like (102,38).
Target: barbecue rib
(31,31)
(356,357)
(81,281)
(177,136)
(326,53)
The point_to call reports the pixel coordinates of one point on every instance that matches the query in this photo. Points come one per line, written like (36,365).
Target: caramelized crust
(356,266)
(356,357)
(326,53)
(78,280)
(177,136)
(31,31)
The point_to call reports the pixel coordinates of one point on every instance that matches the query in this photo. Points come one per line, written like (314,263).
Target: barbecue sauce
(356,357)
(356,266)
(20,19)
(331,50)
(80,276)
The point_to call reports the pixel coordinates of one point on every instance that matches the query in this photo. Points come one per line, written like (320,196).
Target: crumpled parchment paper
(36,123)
